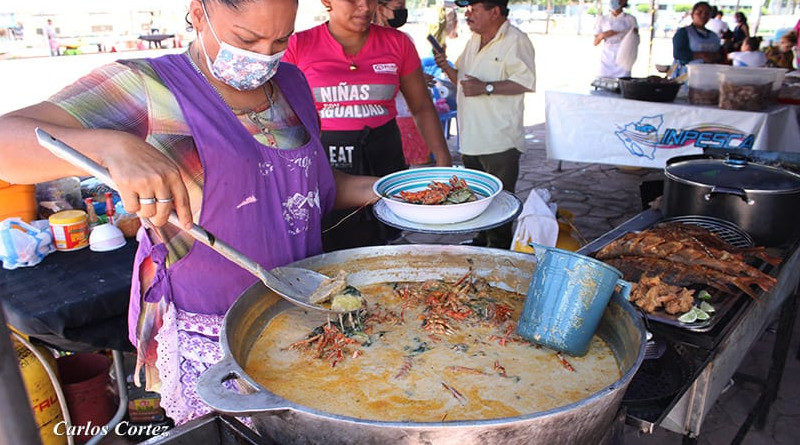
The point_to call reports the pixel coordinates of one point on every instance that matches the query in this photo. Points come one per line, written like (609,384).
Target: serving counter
(603,127)
(76,301)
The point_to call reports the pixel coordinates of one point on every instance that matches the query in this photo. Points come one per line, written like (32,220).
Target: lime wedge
(703,295)
(689,317)
(701,314)
(704,306)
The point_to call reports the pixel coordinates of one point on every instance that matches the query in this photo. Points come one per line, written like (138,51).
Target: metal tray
(722,303)
(607,84)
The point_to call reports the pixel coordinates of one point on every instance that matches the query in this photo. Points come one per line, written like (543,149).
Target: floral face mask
(239,68)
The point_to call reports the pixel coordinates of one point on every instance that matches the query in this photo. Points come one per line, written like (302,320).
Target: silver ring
(164,201)
(147,201)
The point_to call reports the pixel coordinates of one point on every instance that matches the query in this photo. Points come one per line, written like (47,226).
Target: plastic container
(778,74)
(65,189)
(106,237)
(17,200)
(566,299)
(88,390)
(704,83)
(128,223)
(745,89)
(70,230)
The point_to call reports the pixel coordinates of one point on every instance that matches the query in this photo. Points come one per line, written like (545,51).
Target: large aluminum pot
(287,422)
(762,200)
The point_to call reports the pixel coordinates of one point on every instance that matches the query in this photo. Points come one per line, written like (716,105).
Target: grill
(657,379)
(653,390)
(651,395)
(726,230)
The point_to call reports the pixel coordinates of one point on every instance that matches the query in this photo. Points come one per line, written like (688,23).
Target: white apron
(608,57)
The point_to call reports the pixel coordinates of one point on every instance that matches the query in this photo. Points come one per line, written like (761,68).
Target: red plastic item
(88,390)
(109,208)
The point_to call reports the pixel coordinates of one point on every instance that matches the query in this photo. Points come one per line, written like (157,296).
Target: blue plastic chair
(429,67)
(444,118)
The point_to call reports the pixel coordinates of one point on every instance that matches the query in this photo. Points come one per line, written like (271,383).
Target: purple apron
(265,202)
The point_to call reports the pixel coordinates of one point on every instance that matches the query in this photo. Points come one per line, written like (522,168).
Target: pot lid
(736,174)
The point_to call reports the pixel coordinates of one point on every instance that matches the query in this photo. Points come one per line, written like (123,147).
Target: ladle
(294,284)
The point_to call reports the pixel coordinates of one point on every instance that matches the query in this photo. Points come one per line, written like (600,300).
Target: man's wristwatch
(489,88)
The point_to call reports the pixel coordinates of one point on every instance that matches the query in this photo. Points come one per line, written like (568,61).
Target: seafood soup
(424,352)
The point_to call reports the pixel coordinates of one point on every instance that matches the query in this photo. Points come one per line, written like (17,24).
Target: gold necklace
(268,90)
(251,114)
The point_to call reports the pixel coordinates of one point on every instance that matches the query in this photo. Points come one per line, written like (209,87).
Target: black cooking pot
(762,200)
(650,90)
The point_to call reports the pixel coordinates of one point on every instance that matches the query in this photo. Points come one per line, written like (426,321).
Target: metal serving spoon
(294,284)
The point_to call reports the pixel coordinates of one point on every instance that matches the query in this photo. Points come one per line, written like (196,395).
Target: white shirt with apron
(621,23)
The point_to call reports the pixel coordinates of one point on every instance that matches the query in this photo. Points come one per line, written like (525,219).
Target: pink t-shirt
(353,99)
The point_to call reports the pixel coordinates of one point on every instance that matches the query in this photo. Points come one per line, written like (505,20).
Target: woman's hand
(142,173)
(604,35)
(353,191)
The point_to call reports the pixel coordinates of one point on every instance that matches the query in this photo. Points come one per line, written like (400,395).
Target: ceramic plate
(503,208)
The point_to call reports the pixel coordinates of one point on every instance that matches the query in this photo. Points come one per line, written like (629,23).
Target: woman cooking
(610,30)
(222,133)
(355,69)
(695,43)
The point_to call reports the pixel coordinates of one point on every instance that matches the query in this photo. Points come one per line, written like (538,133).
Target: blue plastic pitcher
(566,299)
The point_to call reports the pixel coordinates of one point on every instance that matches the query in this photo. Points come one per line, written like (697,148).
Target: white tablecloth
(605,128)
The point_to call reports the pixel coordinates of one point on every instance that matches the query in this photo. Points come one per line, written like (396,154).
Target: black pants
(504,165)
(372,152)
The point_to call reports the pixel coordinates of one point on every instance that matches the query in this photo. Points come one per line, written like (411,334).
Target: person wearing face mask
(609,30)
(391,13)
(225,135)
(355,69)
